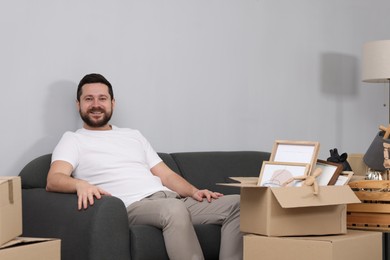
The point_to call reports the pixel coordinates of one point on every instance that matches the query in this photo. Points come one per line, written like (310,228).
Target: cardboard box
(356,245)
(10,208)
(357,164)
(294,211)
(31,248)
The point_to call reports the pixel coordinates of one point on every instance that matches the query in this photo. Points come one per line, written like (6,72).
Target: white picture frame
(330,172)
(344,178)
(295,152)
(276,174)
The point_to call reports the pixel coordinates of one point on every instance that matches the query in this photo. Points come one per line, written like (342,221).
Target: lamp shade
(374,157)
(376,62)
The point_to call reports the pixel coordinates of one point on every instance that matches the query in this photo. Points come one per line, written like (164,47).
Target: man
(102,159)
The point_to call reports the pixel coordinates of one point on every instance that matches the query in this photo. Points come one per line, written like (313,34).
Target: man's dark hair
(94,78)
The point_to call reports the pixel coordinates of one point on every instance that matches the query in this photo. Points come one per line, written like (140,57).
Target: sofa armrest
(99,232)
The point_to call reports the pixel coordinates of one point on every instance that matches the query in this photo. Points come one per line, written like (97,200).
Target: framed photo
(344,178)
(275,174)
(296,152)
(330,172)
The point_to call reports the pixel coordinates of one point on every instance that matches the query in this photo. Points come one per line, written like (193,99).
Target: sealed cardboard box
(356,245)
(31,248)
(10,208)
(294,211)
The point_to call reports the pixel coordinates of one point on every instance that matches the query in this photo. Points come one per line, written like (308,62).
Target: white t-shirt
(117,160)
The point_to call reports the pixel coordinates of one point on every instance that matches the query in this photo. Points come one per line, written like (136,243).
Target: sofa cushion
(205,169)
(147,242)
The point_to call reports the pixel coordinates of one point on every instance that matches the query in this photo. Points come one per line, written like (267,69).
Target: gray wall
(193,75)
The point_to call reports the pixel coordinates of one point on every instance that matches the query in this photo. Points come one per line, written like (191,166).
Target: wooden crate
(374,211)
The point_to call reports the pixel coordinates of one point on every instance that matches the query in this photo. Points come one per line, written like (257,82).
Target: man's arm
(59,180)
(175,182)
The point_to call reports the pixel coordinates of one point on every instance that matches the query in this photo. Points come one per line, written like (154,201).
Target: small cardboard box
(294,211)
(10,208)
(357,164)
(356,245)
(31,248)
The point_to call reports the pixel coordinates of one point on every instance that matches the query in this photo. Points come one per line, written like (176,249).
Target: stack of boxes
(292,222)
(11,245)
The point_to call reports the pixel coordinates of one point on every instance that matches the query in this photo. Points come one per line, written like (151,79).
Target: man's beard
(93,123)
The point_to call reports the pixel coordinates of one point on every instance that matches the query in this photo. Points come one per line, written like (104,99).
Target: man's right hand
(86,193)
(59,180)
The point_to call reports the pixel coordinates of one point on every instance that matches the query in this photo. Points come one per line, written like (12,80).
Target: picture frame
(344,178)
(275,174)
(295,152)
(330,172)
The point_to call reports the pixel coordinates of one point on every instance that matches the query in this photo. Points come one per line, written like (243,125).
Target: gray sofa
(102,232)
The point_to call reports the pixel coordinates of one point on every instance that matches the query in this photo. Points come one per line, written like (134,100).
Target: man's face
(95,106)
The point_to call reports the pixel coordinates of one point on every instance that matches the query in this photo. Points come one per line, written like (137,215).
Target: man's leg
(165,211)
(224,211)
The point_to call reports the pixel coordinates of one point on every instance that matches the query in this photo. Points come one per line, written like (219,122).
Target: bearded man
(102,159)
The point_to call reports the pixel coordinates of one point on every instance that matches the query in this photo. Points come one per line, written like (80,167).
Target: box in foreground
(356,245)
(10,208)
(31,248)
(295,211)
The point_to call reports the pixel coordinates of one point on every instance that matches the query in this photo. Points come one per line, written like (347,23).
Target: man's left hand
(209,195)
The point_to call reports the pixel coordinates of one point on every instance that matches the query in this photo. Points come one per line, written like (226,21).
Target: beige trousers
(176,216)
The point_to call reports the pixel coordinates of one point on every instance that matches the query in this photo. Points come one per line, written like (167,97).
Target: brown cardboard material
(356,245)
(294,211)
(357,164)
(10,208)
(31,248)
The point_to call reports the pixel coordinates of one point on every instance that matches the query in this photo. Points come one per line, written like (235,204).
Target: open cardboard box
(356,245)
(293,211)
(10,208)
(31,248)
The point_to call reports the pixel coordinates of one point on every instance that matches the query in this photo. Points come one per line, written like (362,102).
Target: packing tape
(10,190)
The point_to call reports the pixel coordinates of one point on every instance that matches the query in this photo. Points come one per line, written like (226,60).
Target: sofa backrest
(34,174)
(168,160)
(205,169)
(202,169)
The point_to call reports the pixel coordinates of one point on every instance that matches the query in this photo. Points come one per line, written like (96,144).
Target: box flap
(242,182)
(240,185)
(23,241)
(247,180)
(294,197)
